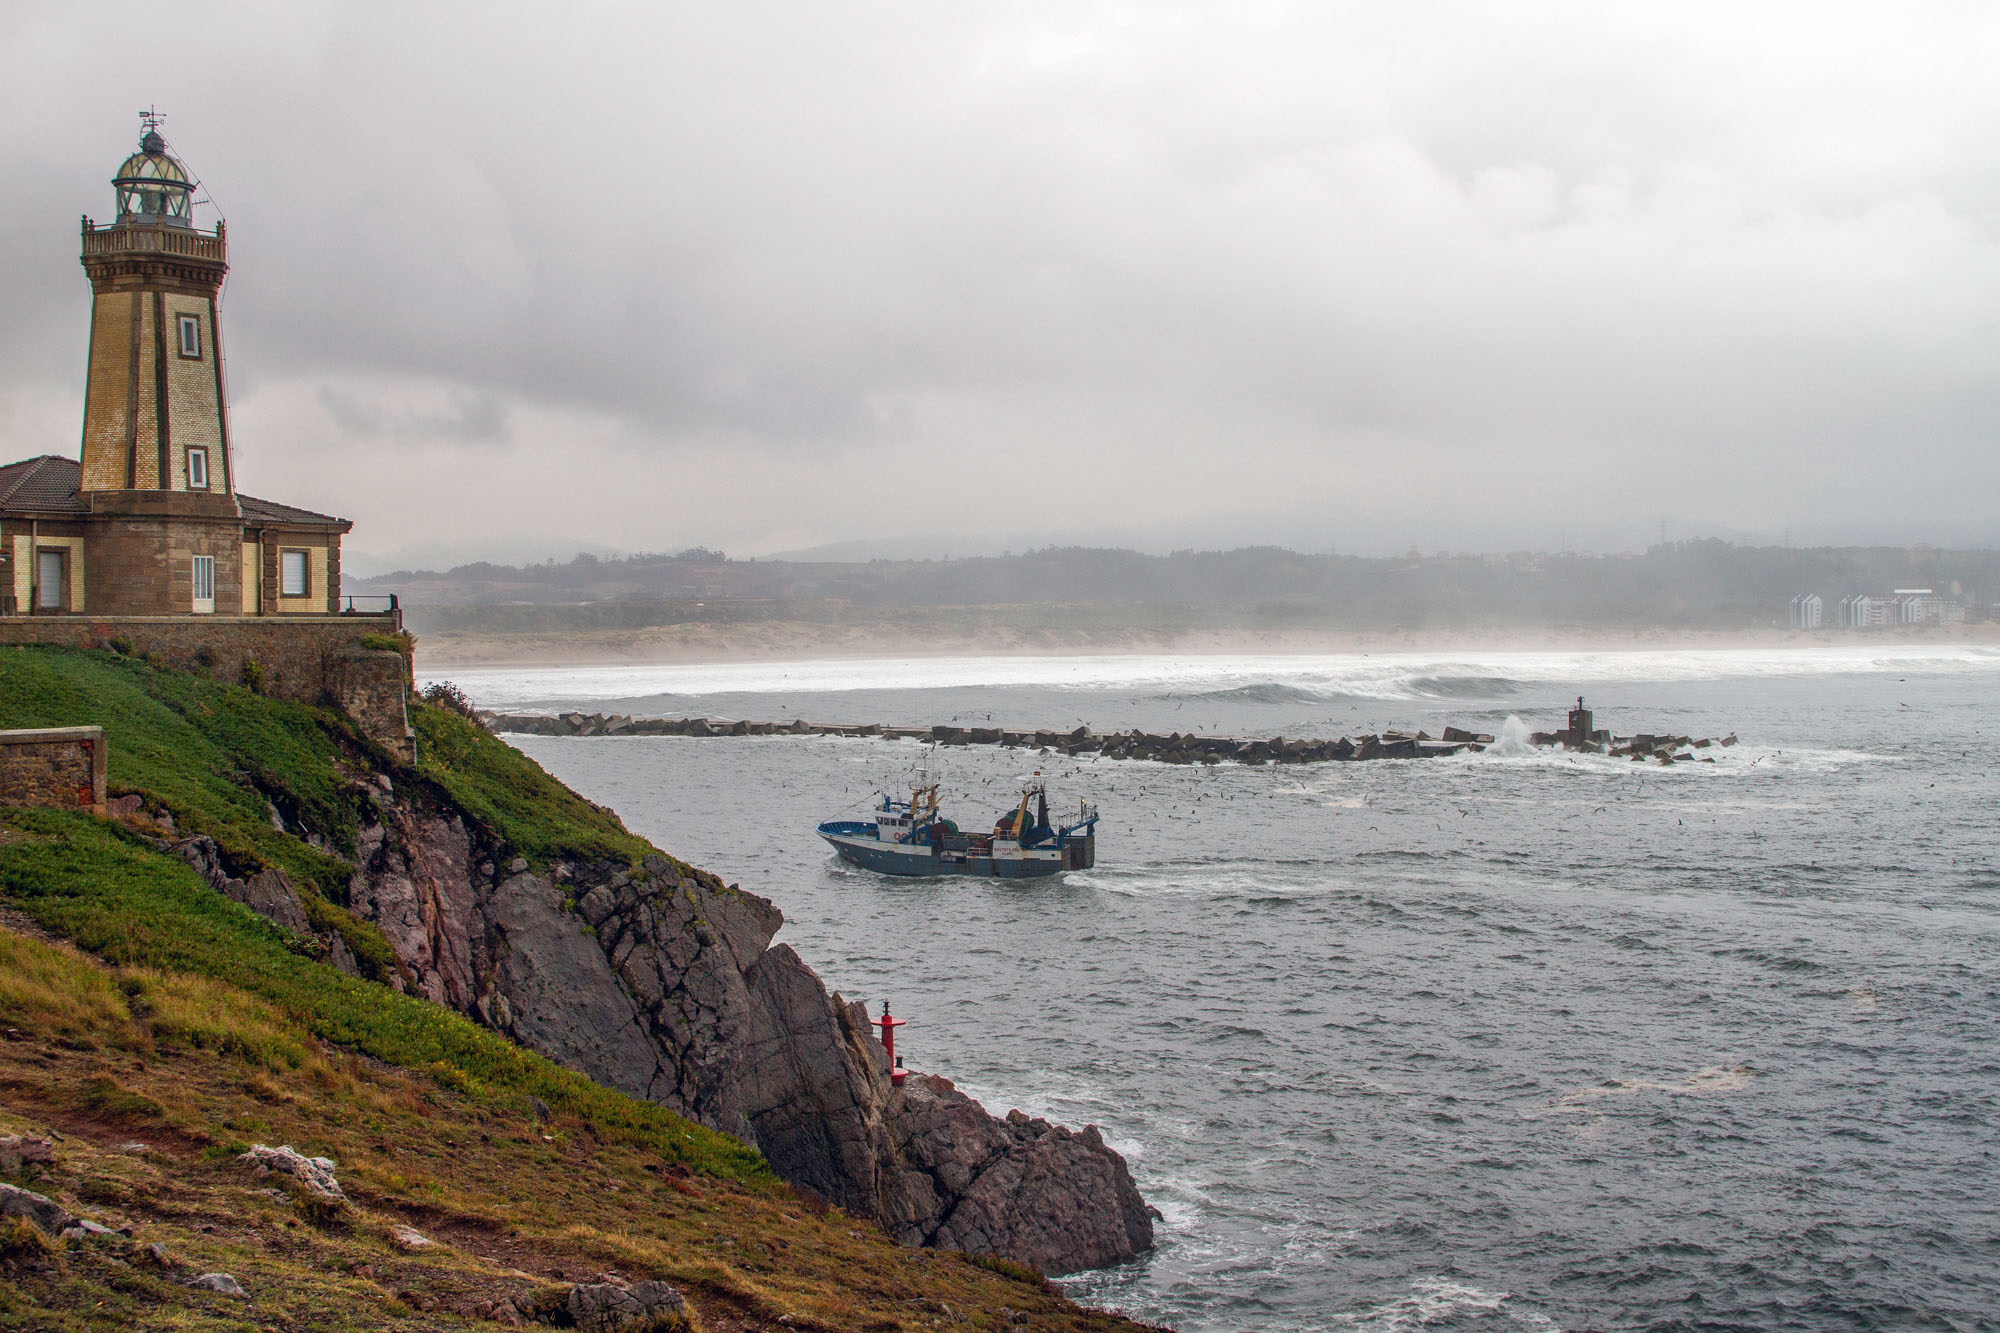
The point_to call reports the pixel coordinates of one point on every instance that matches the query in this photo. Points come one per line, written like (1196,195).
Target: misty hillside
(1696,583)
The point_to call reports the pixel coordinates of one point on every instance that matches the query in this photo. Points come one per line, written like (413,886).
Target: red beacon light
(889,1024)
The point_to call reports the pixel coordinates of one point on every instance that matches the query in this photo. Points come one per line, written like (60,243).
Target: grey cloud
(1734,262)
(467,418)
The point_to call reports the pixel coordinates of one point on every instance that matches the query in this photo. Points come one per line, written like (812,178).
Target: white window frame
(286,585)
(197,469)
(202,578)
(49,596)
(189,333)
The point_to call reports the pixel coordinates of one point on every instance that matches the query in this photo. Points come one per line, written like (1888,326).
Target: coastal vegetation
(140,1006)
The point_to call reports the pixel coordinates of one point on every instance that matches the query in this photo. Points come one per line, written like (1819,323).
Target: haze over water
(1513,1040)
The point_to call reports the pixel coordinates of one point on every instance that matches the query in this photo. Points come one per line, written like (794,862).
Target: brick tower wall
(151,396)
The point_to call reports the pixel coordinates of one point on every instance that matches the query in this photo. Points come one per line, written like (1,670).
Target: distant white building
(1808,611)
(1922,606)
(1904,606)
(1864,612)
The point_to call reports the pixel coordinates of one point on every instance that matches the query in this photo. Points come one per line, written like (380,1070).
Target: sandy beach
(779,641)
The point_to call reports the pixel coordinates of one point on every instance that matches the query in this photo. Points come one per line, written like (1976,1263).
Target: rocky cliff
(661,981)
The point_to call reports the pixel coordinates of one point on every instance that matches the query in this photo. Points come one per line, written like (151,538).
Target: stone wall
(305,659)
(60,768)
(372,687)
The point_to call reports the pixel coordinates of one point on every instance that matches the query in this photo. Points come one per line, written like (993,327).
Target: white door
(48,581)
(204,583)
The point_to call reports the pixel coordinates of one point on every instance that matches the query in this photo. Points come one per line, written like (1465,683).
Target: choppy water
(1497,1041)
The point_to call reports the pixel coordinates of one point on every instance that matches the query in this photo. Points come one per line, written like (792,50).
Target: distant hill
(1702,583)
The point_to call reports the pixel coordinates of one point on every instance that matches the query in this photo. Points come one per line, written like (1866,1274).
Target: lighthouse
(143,538)
(156,418)
(147,519)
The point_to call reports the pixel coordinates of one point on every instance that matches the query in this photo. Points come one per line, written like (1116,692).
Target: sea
(1519,1039)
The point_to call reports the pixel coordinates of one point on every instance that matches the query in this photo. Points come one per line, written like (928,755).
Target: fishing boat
(910,837)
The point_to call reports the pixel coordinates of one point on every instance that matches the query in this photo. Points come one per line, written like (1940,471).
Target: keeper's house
(144,539)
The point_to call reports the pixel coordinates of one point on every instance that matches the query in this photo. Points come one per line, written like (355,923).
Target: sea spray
(1511,741)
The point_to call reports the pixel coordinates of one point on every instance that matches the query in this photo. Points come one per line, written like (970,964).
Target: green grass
(518,1204)
(211,754)
(207,753)
(198,1026)
(537,816)
(103,887)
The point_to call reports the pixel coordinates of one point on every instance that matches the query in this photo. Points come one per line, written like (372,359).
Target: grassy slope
(198,1026)
(195,1069)
(540,817)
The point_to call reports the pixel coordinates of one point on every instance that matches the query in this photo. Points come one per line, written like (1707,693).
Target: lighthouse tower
(156,418)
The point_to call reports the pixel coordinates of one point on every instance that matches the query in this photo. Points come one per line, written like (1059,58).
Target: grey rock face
(559,993)
(1036,1192)
(221,1283)
(44,1214)
(644,1305)
(20,1151)
(268,892)
(663,983)
(416,885)
(814,1086)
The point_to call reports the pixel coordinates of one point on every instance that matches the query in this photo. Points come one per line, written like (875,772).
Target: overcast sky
(512,279)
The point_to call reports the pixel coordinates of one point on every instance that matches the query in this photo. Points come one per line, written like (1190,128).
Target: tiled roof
(45,485)
(270,511)
(48,485)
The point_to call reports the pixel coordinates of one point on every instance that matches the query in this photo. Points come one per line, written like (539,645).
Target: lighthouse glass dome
(152,185)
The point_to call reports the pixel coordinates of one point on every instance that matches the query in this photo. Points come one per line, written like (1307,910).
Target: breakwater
(1173,748)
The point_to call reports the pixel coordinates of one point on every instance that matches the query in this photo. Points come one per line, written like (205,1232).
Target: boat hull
(917,861)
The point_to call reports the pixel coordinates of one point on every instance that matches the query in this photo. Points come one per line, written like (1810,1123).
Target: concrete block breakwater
(1174,748)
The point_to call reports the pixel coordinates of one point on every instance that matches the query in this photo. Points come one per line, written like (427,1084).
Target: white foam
(1713,1079)
(1388,676)
(1430,1300)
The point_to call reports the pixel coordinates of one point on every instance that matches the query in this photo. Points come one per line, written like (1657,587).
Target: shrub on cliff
(444,694)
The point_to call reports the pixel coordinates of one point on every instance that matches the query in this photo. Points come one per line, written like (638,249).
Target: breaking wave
(1464,687)
(1268,693)
(1275,678)
(1391,687)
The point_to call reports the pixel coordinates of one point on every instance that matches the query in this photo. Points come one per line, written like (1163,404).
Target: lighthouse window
(197,469)
(292,569)
(190,326)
